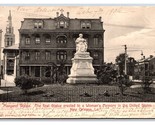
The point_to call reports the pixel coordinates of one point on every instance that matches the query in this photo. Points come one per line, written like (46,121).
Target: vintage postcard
(77,61)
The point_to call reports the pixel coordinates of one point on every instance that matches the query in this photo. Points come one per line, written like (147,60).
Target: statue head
(80,35)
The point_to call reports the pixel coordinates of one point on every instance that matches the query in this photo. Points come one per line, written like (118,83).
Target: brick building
(44,40)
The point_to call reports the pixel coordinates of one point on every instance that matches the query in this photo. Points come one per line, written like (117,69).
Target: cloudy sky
(130,25)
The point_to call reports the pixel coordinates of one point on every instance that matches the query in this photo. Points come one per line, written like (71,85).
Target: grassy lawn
(74,93)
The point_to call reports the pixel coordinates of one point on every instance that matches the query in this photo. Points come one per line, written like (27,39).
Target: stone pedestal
(82,70)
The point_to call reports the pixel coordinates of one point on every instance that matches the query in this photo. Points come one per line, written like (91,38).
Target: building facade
(10,50)
(145,68)
(45,40)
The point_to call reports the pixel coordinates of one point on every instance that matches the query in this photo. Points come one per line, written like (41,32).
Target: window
(38,24)
(27,56)
(27,41)
(7,42)
(88,25)
(83,25)
(26,68)
(35,25)
(37,55)
(95,55)
(47,55)
(62,24)
(37,71)
(47,40)
(37,40)
(61,55)
(95,41)
(61,39)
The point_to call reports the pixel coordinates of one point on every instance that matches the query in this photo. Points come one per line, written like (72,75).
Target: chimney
(57,14)
(100,18)
(151,56)
(67,14)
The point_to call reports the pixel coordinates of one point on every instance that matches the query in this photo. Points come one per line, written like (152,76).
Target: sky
(124,25)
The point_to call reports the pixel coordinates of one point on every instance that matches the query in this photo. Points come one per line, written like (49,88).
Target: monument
(82,70)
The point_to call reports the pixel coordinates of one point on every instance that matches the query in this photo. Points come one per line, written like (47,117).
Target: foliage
(123,83)
(106,73)
(146,82)
(26,83)
(120,61)
(57,73)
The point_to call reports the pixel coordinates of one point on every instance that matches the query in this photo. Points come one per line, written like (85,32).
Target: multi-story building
(10,50)
(44,40)
(144,68)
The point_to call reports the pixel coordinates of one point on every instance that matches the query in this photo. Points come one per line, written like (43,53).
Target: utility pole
(125,67)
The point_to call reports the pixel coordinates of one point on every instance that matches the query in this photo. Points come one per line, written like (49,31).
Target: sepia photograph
(90,57)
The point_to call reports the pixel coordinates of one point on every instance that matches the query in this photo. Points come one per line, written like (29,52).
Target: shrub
(26,83)
(146,82)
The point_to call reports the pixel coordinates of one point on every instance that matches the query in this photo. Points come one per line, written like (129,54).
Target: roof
(50,23)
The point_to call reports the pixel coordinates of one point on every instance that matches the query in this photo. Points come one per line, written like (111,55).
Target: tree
(57,73)
(120,61)
(106,73)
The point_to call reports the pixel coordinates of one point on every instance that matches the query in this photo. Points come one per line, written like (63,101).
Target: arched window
(62,24)
(83,25)
(40,25)
(88,25)
(47,38)
(61,39)
(37,39)
(61,55)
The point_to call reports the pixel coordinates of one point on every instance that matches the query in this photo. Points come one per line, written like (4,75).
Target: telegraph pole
(125,67)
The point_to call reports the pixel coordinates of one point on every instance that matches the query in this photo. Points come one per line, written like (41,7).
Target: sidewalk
(139,86)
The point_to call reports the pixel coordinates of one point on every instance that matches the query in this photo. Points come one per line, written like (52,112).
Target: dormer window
(88,25)
(38,24)
(62,24)
(85,25)
(35,25)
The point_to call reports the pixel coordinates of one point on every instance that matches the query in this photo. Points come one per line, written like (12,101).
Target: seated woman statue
(81,44)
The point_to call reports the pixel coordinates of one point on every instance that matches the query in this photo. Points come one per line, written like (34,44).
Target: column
(30,71)
(5,65)
(15,67)
(40,72)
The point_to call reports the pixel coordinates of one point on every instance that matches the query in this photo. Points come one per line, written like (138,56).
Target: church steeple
(9,35)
